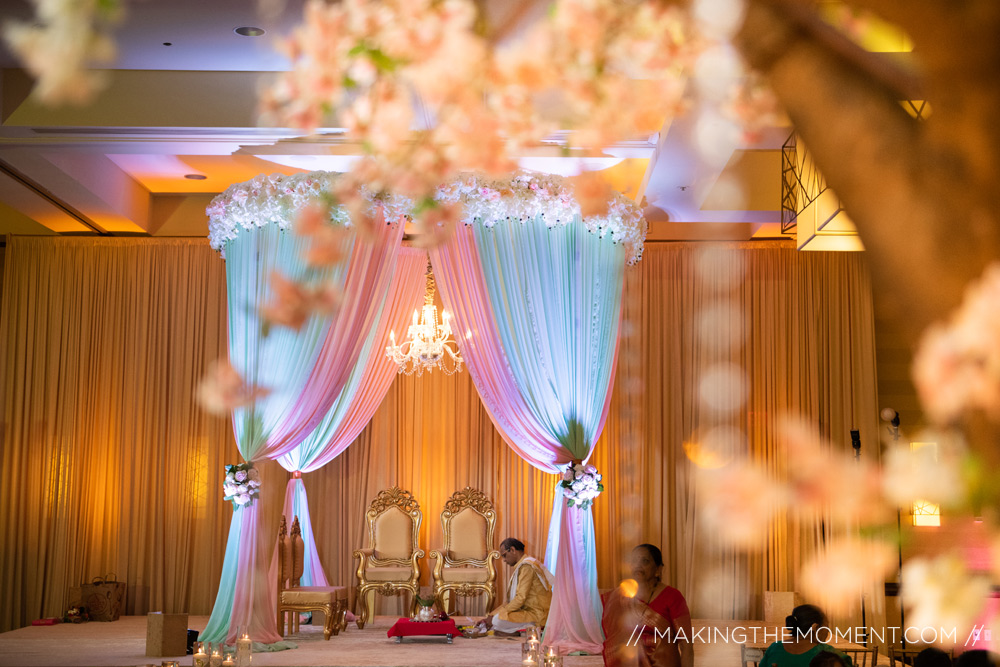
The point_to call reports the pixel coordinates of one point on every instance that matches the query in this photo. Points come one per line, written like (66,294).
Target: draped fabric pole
(353,409)
(536,295)
(305,369)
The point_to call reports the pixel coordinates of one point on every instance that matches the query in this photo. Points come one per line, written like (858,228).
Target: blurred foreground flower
(825,480)
(957,365)
(836,578)
(941,593)
(930,473)
(222,389)
(738,502)
(66,37)
(328,244)
(293,303)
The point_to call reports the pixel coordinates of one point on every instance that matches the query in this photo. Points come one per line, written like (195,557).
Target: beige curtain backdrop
(107,465)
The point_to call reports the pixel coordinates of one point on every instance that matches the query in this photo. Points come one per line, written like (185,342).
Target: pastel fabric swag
(323,377)
(537,304)
(536,293)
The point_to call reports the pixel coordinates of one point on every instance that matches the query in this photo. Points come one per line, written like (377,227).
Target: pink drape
(370,270)
(369,275)
(459,275)
(574,621)
(404,296)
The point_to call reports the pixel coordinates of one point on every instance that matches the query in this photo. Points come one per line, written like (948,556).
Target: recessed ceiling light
(249,31)
(195,177)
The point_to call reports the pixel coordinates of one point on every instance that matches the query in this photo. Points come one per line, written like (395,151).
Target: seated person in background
(529,593)
(932,657)
(827,659)
(974,658)
(646,622)
(803,628)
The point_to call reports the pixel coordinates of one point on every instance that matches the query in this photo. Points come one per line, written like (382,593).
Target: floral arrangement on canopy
(278,199)
(242,484)
(553,199)
(581,485)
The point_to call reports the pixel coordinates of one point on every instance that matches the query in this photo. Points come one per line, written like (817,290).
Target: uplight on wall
(925,513)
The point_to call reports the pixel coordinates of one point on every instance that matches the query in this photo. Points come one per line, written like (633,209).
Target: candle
(216,659)
(200,657)
(244,647)
(228,661)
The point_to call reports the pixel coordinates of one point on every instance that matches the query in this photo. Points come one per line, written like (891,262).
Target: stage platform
(123,642)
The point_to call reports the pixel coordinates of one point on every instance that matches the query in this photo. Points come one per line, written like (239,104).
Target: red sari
(644,635)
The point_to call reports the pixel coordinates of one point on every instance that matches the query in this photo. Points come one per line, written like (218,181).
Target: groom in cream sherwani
(529,592)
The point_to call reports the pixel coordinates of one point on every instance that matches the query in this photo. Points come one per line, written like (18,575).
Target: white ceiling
(117,166)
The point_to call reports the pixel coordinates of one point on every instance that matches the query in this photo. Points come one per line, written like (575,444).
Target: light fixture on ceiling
(195,177)
(249,31)
(429,344)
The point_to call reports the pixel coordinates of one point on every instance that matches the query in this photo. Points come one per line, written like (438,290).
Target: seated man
(529,593)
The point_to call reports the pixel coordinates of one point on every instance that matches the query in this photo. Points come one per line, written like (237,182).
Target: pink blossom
(592,193)
(223,390)
(837,576)
(327,243)
(957,366)
(436,224)
(293,303)
(738,503)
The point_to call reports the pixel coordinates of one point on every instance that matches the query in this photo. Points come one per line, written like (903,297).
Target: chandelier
(428,345)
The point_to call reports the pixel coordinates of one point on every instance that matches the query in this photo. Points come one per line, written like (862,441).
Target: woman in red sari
(646,622)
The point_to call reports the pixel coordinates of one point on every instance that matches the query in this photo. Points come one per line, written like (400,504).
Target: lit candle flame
(629,588)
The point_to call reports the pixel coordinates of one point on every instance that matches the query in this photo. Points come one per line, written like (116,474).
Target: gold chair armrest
(438,566)
(415,563)
(491,570)
(363,556)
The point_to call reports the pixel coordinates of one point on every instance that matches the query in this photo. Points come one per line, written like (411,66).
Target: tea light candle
(228,661)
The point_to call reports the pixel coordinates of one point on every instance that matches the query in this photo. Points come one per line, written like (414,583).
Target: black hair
(932,657)
(975,658)
(654,553)
(827,659)
(512,543)
(804,617)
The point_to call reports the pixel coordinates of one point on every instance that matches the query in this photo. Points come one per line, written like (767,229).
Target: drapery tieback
(297,474)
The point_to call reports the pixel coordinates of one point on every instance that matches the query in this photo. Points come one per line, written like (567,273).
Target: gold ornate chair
(294,599)
(465,565)
(390,564)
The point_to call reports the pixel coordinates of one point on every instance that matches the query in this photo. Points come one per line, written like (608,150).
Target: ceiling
(181,101)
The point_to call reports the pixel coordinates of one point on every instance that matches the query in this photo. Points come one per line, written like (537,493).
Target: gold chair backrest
(393,526)
(291,554)
(468,522)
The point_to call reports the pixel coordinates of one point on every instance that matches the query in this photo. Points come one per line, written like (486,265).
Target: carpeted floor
(123,642)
